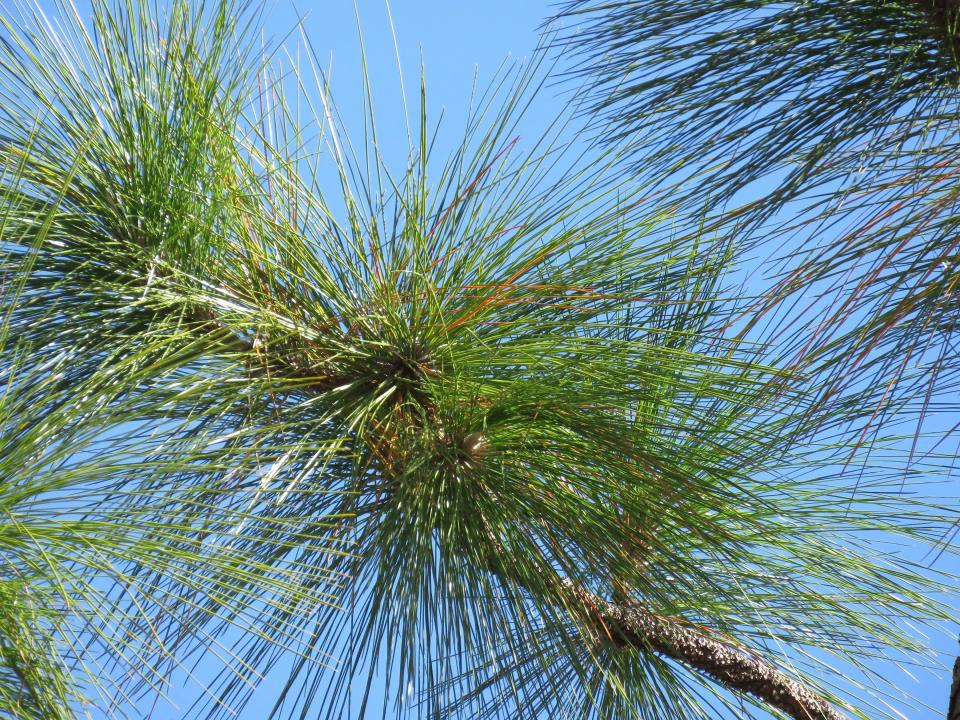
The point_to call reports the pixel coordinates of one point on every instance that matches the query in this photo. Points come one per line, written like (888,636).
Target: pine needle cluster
(439,427)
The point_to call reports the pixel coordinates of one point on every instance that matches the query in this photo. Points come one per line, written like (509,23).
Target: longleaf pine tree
(474,436)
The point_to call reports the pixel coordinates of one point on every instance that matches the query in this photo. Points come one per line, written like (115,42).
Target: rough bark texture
(629,624)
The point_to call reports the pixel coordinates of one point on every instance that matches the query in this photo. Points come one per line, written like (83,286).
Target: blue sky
(457,43)
(460,43)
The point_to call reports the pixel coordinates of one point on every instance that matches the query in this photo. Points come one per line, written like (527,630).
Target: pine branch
(628,624)
(507,366)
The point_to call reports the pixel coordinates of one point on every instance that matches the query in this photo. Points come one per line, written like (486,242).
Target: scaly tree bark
(734,667)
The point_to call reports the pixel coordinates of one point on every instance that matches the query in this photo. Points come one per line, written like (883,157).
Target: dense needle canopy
(467,393)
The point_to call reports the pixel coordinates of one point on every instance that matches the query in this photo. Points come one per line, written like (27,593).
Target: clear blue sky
(456,40)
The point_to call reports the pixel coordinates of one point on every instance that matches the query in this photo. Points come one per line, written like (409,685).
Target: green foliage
(828,128)
(392,420)
(110,580)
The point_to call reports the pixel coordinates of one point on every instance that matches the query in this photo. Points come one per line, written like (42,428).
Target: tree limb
(628,624)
